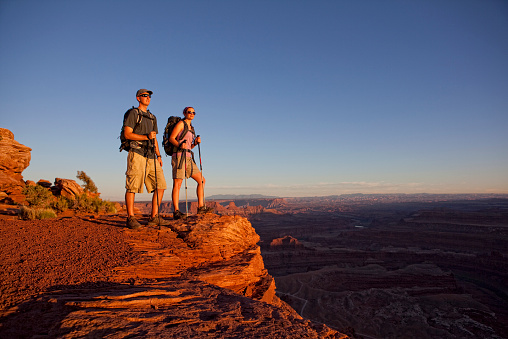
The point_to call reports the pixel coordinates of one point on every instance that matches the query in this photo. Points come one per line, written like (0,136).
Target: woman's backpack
(169,148)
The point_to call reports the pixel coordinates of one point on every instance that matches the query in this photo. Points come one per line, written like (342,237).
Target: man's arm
(129,134)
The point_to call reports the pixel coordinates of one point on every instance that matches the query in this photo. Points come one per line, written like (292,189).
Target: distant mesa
(287,242)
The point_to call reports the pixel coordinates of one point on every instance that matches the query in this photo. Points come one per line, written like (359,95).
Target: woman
(183,138)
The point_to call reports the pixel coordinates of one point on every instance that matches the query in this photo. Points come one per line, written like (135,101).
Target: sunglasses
(146,95)
(191,112)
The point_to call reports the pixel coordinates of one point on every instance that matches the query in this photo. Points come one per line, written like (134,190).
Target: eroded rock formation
(14,158)
(287,242)
(199,278)
(68,188)
(219,250)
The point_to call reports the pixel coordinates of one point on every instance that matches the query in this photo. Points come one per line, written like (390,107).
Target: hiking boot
(178,215)
(157,220)
(204,209)
(132,223)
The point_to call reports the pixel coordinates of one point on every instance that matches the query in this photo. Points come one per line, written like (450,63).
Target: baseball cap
(143,90)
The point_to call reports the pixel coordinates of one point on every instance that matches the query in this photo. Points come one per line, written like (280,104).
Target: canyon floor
(392,266)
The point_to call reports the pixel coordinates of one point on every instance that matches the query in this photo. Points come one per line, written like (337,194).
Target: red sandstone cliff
(199,278)
(14,158)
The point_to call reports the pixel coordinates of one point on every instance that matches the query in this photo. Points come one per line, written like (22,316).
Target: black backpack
(169,148)
(125,144)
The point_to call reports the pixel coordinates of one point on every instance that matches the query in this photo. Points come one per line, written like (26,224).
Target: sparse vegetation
(38,196)
(61,204)
(89,185)
(28,213)
(43,204)
(87,204)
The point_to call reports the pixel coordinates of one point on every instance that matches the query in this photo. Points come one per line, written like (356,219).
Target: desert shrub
(95,204)
(37,196)
(61,204)
(103,206)
(87,204)
(89,185)
(82,203)
(28,213)
(109,207)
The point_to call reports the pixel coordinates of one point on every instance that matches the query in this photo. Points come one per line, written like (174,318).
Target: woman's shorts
(192,168)
(141,170)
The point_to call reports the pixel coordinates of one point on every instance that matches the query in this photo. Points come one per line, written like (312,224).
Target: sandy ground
(41,255)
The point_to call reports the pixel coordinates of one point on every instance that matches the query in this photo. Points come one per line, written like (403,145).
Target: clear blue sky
(293,98)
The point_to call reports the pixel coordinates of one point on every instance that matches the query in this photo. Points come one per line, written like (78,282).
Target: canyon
(387,266)
(392,266)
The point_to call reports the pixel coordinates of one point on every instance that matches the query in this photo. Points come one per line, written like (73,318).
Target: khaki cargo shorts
(192,168)
(141,170)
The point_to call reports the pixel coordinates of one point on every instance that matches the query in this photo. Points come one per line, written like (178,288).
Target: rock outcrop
(202,277)
(67,188)
(14,158)
(287,242)
(222,251)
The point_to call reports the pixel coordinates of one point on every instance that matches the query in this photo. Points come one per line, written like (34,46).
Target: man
(183,138)
(140,128)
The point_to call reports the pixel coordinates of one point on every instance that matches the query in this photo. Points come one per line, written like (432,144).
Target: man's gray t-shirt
(148,123)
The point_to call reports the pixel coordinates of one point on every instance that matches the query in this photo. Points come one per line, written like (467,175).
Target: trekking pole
(156,185)
(201,169)
(184,153)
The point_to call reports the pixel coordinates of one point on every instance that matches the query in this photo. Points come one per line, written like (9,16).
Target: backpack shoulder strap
(138,118)
(185,130)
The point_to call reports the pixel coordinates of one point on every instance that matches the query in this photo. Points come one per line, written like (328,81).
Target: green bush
(87,204)
(61,204)
(111,207)
(27,213)
(82,203)
(37,196)
(89,185)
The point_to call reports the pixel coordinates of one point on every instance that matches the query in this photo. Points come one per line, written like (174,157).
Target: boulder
(44,183)
(68,188)
(14,158)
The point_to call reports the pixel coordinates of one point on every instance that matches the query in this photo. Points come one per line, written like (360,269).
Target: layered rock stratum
(92,277)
